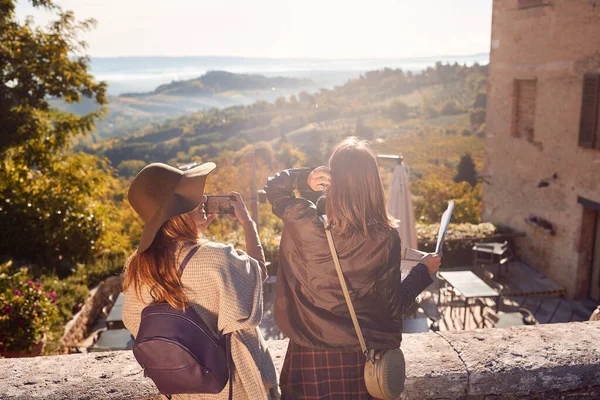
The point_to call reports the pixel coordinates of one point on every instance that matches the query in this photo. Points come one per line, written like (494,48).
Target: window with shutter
(589,128)
(530,3)
(524,108)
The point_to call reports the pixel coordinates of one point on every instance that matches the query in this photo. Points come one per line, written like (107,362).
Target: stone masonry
(559,361)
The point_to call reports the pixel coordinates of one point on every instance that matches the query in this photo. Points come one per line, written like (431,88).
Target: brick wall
(555,44)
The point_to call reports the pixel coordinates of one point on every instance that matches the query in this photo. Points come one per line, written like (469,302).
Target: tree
(38,64)
(432,194)
(56,205)
(450,107)
(466,171)
(362,130)
(398,111)
(477,117)
(129,168)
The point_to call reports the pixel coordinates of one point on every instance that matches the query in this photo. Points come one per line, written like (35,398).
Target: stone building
(542,149)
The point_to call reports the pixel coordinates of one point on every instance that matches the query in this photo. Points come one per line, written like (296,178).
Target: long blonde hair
(156,267)
(355,201)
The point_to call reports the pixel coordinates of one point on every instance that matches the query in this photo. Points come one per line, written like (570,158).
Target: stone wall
(559,361)
(555,44)
(77,329)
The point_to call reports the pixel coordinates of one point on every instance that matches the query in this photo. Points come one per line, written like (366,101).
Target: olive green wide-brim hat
(160,192)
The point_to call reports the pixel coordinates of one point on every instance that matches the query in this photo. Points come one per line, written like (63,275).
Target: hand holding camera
(319,179)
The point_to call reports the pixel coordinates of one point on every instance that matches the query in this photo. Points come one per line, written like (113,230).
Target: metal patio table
(470,286)
(114,320)
(115,339)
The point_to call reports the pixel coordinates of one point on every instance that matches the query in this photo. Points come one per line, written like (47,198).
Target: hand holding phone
(219,204)
(240,212)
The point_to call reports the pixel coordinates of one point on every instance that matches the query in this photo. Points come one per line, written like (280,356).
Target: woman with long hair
(324,358)
(221,284)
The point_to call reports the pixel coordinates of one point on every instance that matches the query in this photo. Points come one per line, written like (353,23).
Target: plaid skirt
(322,374)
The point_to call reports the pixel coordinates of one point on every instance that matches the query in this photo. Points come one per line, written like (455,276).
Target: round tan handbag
(385,370)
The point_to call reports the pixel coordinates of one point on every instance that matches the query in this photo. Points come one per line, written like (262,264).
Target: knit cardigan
(224,286)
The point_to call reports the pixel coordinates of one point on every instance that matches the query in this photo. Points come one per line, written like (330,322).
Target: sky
(281,28)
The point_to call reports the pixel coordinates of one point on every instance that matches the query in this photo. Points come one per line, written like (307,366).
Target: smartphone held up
(220,204)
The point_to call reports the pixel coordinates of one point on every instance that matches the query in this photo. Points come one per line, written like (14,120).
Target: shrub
(62,216)
(397,111)
(431,197)
(26,311)
(451,108)
(104,266)
(477,117)
(130,168)
(457,253)
(428,108)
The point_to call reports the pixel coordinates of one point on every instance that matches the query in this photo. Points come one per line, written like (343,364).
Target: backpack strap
(187,259)
(184,263)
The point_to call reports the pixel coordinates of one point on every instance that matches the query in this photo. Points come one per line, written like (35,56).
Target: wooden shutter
(524,116)
(588,124)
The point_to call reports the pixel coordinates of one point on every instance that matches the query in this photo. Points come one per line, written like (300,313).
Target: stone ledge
(544,361)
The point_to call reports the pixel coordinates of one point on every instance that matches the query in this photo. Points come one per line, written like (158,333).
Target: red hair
(156,267)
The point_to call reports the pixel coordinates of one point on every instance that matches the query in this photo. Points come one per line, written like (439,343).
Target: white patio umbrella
(400,206)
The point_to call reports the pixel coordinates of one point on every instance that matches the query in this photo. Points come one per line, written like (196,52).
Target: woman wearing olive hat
(223,285)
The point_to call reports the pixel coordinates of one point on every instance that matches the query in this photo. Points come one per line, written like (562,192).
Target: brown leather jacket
(310,307)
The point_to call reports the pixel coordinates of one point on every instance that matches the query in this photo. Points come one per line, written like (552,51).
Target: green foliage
(129,168)
(71,293)
(61,215)
(221,81)
(450,107)
(57,207)
(460,240)
(374,95)
(104,266)
(431,197)
(35,65)
(466,171)
(429,143)
(477,117)
(480,101)
(26,309)
(397,111)
(363,130)
(429,232)
(481,131)
(428,108)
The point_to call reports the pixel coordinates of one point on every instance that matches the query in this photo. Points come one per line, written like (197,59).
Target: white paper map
(415,255)
(446,216)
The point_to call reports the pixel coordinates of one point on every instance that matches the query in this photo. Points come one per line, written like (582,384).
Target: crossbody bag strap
(229,363)
(340,274)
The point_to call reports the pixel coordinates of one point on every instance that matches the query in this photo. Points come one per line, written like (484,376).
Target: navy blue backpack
(178,351)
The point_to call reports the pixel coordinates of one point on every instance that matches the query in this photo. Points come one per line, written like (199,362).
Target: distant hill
(214,82)
(130,112)
(438,104)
